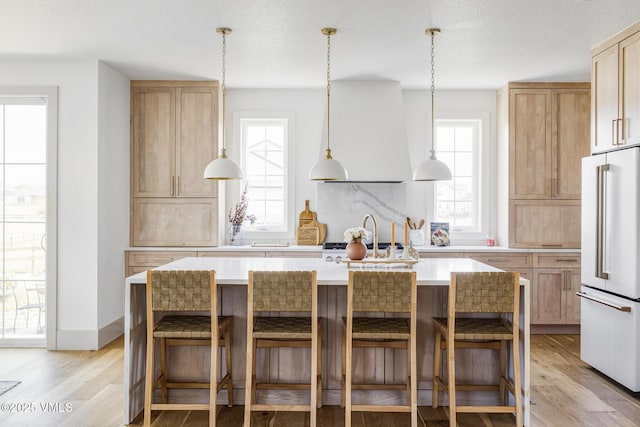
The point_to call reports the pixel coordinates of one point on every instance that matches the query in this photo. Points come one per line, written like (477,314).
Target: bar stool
(271,292)
(498,293)
(185,291)
(380,292)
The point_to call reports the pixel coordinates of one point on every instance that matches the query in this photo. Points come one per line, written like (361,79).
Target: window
(265,156)
(459,144)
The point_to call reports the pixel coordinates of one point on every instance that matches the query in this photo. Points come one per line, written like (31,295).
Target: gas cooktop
(343,245)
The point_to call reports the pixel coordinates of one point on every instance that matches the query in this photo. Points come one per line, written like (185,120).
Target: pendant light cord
(223,153)
(328,156)
(433,91)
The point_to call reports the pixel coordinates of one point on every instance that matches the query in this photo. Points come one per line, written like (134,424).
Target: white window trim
(487,184)
(248,236)
(50,93)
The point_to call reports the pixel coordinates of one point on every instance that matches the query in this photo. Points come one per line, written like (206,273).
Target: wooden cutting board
(310,231)
(307,215)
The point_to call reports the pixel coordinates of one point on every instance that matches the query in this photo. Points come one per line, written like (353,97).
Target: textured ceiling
(277,43)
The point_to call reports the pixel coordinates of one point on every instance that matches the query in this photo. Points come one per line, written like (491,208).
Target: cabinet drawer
(154,259)
(232,254)
(440,254)
(556,260)
(294,254)
(503,260)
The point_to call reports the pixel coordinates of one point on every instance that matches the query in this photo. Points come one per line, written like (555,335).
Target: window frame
(484,179)
(285,232)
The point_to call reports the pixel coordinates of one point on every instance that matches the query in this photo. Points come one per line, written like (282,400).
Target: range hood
(368,131)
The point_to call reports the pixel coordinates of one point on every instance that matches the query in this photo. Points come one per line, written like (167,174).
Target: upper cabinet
(543,135)
(549,133)
(174,135)
(615,79)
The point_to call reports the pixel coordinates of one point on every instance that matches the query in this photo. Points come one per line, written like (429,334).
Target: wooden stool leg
(213,380)
(516,379)
(319,368)
(227,347)
(437,352)
(503,372)
(409,372)
(451,368)
(313,403)
(348,378)
(148,382)
(163,369)
(344,370)
(250,369)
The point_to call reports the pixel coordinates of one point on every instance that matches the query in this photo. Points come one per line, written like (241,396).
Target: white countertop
(318,248)
(234,271)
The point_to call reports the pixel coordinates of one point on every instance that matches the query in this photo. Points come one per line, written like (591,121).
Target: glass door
(23,191)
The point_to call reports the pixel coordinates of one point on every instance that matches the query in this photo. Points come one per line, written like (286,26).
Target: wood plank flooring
(565,391)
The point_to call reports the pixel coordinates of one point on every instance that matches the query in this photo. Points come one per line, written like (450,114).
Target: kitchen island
(281,364)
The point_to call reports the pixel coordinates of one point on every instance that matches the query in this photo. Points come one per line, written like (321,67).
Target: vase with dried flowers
(237,216)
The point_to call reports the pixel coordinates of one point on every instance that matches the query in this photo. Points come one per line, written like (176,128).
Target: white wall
(79,291)
(308,106)
(113,198)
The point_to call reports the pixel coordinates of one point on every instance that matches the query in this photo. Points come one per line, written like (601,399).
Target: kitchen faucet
(375,232)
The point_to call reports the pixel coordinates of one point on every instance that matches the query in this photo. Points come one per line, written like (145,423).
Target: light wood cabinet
(615,78)
(520,262)
(138,261)
(556,279)
(547,136)
(174,128)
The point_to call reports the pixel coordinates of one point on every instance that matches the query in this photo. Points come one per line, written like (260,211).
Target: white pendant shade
(432,169)
(222,168)
(328,170)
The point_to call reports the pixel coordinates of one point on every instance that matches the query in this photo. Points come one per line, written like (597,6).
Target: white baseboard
(89,339)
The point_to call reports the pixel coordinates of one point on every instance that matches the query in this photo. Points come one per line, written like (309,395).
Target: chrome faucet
(375,232)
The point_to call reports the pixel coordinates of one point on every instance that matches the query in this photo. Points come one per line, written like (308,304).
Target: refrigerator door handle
(624,308)
(600,211)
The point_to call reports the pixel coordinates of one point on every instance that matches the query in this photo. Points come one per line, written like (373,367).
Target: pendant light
(223,168)
(432,169)
(328,169)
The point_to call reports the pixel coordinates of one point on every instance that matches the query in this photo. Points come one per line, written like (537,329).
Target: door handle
(624,308)
(177,185)
(600,210)
(172,191)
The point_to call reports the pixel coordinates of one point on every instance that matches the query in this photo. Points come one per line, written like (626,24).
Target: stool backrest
(181,290)
(293,291)
(382,291)
(485,292)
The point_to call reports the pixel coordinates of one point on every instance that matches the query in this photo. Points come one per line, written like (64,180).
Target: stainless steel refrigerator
(610,291)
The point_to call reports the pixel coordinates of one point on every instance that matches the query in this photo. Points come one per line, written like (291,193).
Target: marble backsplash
(344,205)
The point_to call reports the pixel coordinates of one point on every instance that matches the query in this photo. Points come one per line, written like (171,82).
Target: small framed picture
(440,234)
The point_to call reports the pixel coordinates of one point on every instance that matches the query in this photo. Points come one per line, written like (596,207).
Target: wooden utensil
(421,224)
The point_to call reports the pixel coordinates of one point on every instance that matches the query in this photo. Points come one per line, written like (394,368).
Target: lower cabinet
(556,279)
(139,261)
(513,261)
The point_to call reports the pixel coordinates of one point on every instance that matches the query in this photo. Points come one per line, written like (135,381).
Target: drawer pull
(552,245)
(566,260)
(624,308)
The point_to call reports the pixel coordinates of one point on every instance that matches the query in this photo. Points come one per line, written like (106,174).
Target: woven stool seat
(187,326)
(478,329)
(380,328)
(282,327)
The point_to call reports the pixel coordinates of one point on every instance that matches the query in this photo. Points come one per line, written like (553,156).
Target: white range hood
(368,131)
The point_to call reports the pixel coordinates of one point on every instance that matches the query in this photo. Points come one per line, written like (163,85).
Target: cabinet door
(544,224)
(196,140)
(530,143)
(174,222)
(604,99)
(629,95)
(153,137)
(548,305)
(570,141)
(572,280)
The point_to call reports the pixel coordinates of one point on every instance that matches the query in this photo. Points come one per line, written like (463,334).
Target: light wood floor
(565,392)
